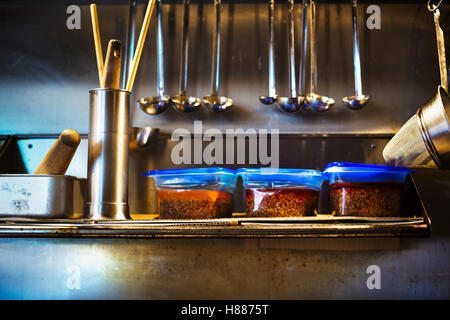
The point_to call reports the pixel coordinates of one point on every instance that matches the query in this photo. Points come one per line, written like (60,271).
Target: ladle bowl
(290,104)
(318,103)
(267,100)
(142,138)
(217,103)
(154,105)
(186,103)
(356,102)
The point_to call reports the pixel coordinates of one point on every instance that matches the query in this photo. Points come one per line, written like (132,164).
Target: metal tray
(414,222)
(41,196)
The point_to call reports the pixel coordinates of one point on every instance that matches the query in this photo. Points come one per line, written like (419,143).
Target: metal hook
(434,6)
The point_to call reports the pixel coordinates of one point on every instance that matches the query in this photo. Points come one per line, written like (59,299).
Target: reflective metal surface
(315,101)
(58,70)
(60,65)
(431,123)
(293,103)
(214,102)
(158,104)
(272,96)
(142,138)
(107,191)
(359,100)
(42,196)
(435,127)
(182,102)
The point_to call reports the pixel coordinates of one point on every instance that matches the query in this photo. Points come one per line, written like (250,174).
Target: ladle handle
(130,42)
(291,44)
(160,50)
(356,55)
(441,50)
(272,88)
(302,67)
(216,51)
(184,48)
(312,27)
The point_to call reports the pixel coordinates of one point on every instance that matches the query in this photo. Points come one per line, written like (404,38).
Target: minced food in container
(366,190)
(274,192)
(199,193)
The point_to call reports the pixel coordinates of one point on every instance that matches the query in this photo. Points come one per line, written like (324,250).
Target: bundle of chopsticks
(109,73)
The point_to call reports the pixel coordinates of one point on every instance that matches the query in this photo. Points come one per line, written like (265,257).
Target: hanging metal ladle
(315,101)
(214,102)
(293,103)
(302,65)
(272,97)
(157,104)
(359,100)
(182,102)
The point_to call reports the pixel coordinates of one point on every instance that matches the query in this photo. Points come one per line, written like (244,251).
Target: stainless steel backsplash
(46,69)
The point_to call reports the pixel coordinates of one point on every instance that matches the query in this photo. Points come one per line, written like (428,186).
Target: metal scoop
(315,101)
(157,104)
(272,97)
(182,102)
(293,103)
(359,100)
(214,102)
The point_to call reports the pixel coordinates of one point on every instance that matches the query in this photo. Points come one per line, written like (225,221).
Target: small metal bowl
(356,102)
(154,105)
(217,103)
(186,103)
(290,105)
(267,100)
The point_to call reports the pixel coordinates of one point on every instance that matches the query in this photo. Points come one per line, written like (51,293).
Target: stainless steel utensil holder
(107,191)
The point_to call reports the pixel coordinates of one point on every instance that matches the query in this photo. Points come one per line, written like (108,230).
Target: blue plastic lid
(220,179)
(356,172)
(280,178)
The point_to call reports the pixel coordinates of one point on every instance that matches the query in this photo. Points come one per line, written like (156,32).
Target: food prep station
(207,68)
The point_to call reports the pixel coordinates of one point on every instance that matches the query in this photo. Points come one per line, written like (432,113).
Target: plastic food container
(366,190)
(203,193)
(281,192)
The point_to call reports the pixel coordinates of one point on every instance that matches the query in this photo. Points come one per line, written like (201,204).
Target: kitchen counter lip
(305,227)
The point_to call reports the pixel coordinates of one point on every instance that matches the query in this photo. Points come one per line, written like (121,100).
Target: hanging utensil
(304,52)
(315,101)
(130,42)
(182,102)
(157,104)
(272,97)
(359,100)
(214,102)
(293,103)
(424,140)
(440,44)
(140,45)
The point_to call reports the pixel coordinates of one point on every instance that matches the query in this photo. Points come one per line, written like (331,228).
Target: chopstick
(140,45)
(97,42)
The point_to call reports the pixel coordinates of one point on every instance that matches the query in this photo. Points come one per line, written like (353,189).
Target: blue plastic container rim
(278,178)
(357,172)
(190,171)
(195,178)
